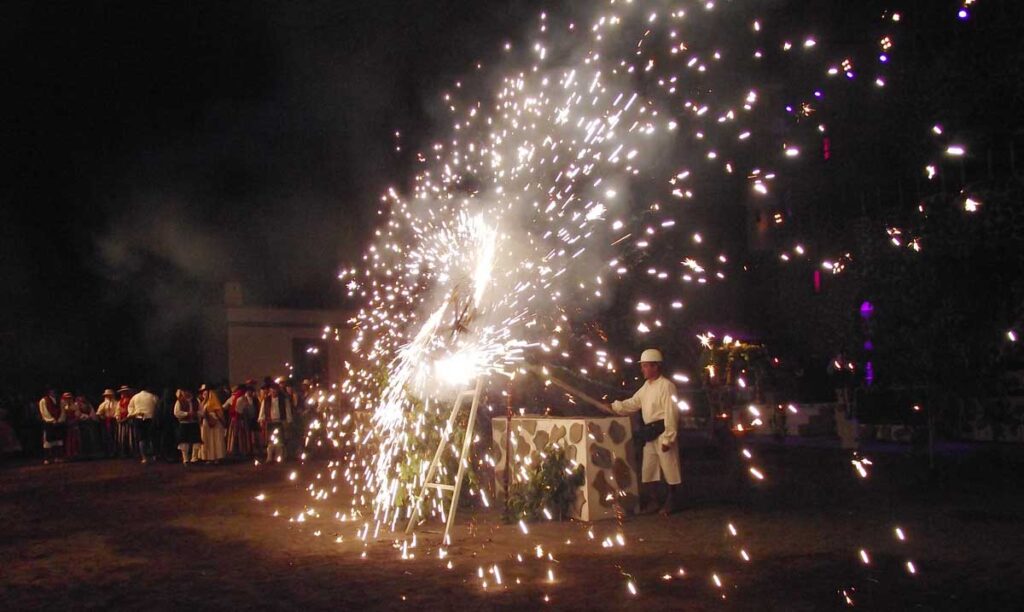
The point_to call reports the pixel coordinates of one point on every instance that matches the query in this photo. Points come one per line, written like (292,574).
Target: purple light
(817,94)
(963,14)
(883,58)
(866,310)
(868,346)
(869,373)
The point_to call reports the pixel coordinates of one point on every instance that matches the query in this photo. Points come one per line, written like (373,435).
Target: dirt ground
(119,535)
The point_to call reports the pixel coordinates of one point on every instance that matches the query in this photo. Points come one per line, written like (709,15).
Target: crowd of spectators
(208,424)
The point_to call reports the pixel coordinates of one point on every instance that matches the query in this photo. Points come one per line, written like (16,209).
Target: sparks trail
(554,188)
(587,171)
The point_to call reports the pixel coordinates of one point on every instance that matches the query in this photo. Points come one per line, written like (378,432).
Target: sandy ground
(116,534)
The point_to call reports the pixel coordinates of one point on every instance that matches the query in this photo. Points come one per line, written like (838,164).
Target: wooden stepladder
(456,487)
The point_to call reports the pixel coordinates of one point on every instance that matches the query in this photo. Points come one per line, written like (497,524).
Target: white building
(243,342)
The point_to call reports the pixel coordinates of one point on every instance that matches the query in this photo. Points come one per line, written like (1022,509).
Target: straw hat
(651,356)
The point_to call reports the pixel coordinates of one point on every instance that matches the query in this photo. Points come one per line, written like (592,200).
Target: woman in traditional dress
(256,394)
(250,414)
(89,428)
(186,411)
(72,437)
(125,434)
(238,425)
(107,415)
(53,427)
(212,425)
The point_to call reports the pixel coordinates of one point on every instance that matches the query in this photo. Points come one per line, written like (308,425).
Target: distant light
(955,151)
(963,14)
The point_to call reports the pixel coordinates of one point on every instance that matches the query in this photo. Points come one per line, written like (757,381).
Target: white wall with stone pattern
(603,446)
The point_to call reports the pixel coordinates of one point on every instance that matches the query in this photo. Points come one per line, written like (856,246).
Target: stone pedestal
(603,446)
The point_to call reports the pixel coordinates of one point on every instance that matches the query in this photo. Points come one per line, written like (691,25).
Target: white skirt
(658,462)
(214,445)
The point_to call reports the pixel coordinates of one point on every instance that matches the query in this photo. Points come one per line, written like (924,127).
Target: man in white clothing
(141,410)
(656,400)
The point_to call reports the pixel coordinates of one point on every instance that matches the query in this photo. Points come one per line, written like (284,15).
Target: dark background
(155,150)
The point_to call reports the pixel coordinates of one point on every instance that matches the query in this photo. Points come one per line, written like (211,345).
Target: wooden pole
(508,442)
(602,406)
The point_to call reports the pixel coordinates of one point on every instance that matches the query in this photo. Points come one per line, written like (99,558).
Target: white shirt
(108,409)
(47,417)
(656,400)
(182,414)
(273,406)
(143,405)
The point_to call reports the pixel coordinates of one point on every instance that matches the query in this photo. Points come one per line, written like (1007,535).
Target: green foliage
(550,484)
(422,445)
(736,360)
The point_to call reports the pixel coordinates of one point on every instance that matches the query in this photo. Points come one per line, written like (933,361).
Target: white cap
(651,356)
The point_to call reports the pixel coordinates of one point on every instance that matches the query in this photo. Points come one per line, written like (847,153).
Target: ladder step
(442,487)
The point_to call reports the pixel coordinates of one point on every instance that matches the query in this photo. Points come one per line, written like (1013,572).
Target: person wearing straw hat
(107,414)
(657,403)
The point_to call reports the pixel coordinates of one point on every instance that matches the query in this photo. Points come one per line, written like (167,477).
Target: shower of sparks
(527,213)
(572,177)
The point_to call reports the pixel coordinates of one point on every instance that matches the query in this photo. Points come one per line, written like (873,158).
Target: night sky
(156,150)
